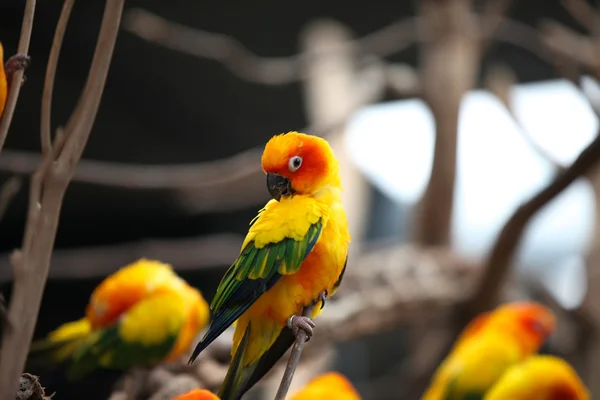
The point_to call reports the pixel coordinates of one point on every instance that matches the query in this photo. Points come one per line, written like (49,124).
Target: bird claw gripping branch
(297,322)
(15,63)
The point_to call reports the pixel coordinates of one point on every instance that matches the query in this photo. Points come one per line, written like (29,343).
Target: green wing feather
(254,272)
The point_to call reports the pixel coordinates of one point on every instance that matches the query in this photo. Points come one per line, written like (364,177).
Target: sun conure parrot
(13,64)
(328,386)
(141,315)
(490,344)
(197,394)
(293,255)
(540,377)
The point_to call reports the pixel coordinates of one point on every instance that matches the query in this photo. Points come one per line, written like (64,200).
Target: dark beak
(278,186)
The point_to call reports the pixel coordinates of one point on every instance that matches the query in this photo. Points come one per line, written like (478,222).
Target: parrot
(540,377)
(294,255)
(13,64)
(141,315)
(197,394)
(490,343)
(328,386)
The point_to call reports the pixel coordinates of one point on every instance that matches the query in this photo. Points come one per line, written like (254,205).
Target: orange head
(530,322)
(299,163)
(197,394)
(330,385)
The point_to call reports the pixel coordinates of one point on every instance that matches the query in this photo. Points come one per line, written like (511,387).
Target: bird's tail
(241,378)
(58,346)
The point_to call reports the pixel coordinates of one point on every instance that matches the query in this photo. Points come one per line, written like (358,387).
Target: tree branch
(8,190)
(246,65)
(288,375)
(17,78)
(50,182)
(501,256)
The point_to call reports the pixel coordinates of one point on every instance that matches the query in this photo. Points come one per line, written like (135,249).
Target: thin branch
(220,185)
(8,191)
(46,126)
(500,258)
(288,375)
(583,13)
(17,78)
(31,268)
(246,65)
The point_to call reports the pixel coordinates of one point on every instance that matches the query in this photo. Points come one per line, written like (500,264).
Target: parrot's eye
(295,163)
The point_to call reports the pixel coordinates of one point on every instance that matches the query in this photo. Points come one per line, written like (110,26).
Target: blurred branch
(95,262)
(449,66)
(247,65)
(8,190)
(501,256)
(583,13)
(500,80)
(48,186)
(17,78)
(221,185)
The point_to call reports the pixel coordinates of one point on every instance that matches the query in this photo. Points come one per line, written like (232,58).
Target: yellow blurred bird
(141,315)
(541,377)
(490,344)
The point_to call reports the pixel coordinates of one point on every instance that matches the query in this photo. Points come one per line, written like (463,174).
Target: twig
(500,258)
(288,375)
(53,176)
(8,190)
(17,78)
(45,121)
(583,13)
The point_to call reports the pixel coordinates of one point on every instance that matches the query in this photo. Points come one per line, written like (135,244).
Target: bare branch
(17,78)
(51,181)
(247,65)
(189,254)
(500,258)
(500,81)
(494,14)
(46,126)
(583,13)
(288,375)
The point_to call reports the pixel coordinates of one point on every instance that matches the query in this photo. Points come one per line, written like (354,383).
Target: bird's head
(299,163)
(532,323)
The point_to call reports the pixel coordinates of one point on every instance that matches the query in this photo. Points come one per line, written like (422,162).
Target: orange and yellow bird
(540,377)
(197,394)
(328,386)
(489,345)
(294,255)
(14,63)
(141,315)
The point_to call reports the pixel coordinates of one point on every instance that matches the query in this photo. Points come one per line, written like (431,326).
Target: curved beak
(278,186)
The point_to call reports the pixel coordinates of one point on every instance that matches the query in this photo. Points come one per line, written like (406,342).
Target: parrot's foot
(296,323)
(323,296)
(15,63)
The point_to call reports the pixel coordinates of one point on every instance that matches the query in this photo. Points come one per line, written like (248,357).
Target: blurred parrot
(141,315)
(490,344)
(540,377)
(13,64)
(197,394)
(328,386)
(294,255)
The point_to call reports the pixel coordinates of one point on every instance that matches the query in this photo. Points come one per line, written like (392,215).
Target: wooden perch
(48,186)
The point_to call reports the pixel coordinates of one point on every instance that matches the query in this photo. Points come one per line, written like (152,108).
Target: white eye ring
(295,163)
